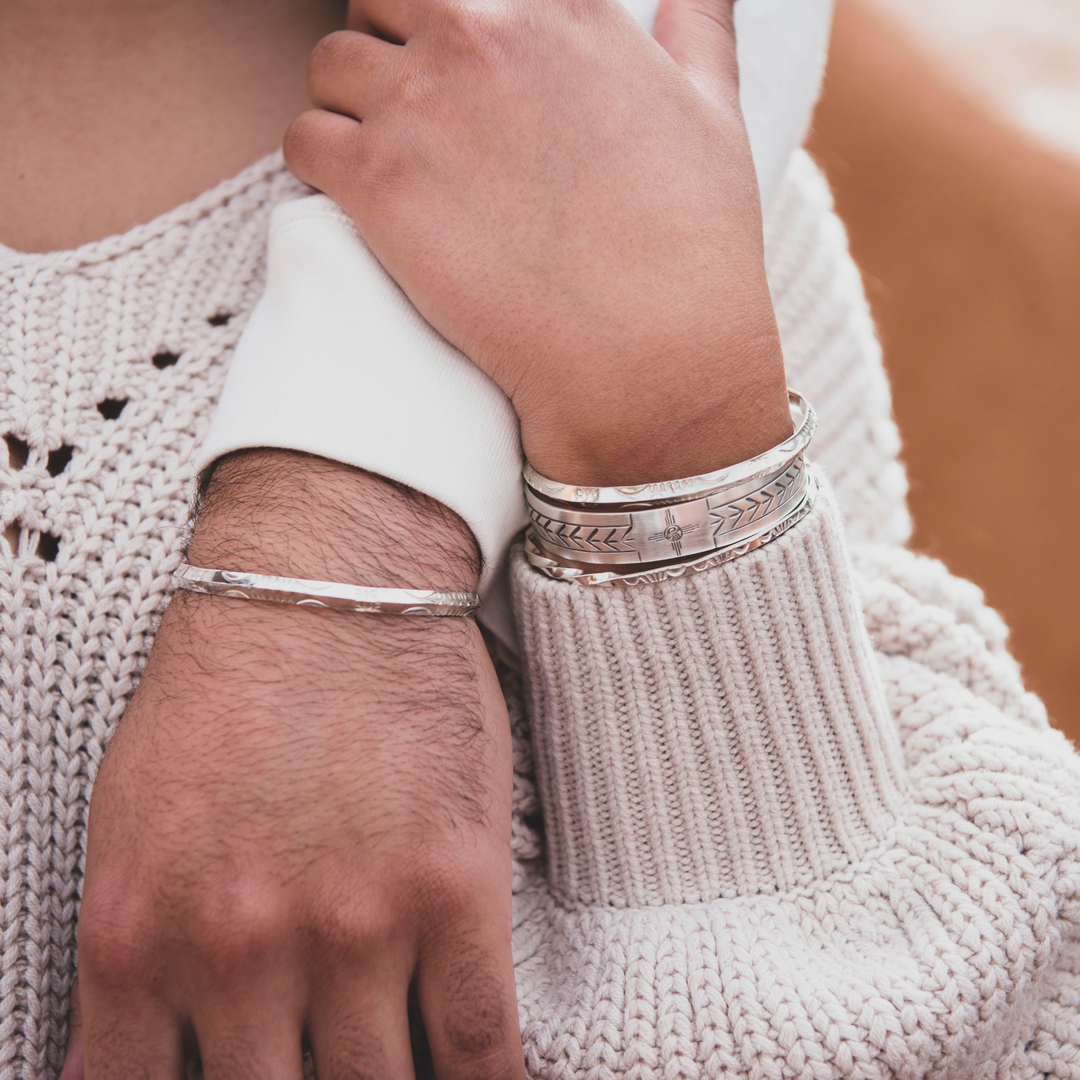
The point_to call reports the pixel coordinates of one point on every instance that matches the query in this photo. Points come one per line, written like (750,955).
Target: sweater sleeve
(736,732)
(733,751)
(722,733)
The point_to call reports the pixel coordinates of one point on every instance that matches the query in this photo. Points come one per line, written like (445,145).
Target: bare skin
(604,265)
(304,815)
(182,93)
(241,805)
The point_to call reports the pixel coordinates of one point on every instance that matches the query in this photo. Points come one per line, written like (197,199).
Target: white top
(335,350)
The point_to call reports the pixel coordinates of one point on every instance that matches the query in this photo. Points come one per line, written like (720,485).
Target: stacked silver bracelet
(653,532)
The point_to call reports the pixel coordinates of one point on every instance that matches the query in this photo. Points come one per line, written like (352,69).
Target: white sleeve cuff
(336,361)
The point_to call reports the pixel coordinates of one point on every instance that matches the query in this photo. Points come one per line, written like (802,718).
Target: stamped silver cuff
(673,531)
(325,594)
(653,532)
(654,575)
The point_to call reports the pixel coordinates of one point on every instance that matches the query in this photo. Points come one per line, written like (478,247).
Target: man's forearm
(304,812)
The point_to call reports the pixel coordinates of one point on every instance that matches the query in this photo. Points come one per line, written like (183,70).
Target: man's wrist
(279,512)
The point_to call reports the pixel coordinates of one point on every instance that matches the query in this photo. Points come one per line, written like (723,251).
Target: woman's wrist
(647,434)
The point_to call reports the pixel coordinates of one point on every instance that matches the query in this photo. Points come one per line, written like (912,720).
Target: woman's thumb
(699,35)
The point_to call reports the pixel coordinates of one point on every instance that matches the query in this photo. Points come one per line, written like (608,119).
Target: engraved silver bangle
(652,532)
(666,492)
(325,594)
(635,535)
(675,568)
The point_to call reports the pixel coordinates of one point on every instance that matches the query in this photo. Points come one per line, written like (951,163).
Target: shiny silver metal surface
(692,487)
(675,531)
(653,575)
(325,594)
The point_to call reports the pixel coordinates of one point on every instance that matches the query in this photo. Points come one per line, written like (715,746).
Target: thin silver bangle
(325,594)
(668,492)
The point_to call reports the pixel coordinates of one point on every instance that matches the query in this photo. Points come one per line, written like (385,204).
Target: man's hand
(305,815)
(573,207)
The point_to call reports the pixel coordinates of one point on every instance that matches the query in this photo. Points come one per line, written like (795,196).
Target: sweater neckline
(109,247)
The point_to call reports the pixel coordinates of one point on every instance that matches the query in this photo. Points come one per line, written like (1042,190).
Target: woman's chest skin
(113,113)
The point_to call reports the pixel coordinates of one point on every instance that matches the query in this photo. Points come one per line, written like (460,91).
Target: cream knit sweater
(799,816)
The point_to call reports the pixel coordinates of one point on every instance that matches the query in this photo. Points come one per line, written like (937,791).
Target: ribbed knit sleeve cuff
(719,735)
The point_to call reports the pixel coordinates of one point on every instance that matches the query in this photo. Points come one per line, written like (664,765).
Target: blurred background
(950,132)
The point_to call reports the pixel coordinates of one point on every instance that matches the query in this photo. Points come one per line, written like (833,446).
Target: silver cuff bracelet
(649,533)
(654,575)
(325,594)
(678,530)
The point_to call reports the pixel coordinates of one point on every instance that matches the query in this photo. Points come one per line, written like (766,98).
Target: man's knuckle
(478,1029)
(446,891)
(360,928)
(234,923)
(357,1052)
(117,937)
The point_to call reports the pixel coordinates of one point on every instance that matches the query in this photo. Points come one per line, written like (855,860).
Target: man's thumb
(699,35)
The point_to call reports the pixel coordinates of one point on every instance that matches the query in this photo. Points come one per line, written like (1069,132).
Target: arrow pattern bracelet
(648,533)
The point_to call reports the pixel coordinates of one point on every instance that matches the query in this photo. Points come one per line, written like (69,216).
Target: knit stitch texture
(111,359)
(753,869)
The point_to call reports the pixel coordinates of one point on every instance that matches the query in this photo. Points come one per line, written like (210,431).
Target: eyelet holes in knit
(220,319)
(48,546)
(18,452)
(111,408)
(58,459)
(162,360)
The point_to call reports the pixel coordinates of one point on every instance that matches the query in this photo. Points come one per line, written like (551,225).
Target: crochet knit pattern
(743,878)
(800,817)
(111,359)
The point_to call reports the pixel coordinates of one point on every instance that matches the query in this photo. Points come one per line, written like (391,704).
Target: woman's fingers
(350,73)
(325,150)
(699,35)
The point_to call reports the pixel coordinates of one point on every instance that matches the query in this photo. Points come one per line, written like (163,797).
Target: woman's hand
(573,207)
